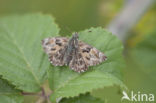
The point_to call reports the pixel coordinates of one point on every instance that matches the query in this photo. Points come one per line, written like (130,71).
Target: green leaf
(8,94)
(83,98)
(109,94)
(144,55)
(66,83)
(22,61)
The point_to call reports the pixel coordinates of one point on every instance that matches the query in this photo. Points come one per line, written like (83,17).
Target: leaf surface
(22,61)
(8,94)
(83,98)
(67,83)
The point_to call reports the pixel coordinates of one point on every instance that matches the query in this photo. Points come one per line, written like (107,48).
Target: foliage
(107,74)
(86,98)
(22,61)
(8,94)
(24,64)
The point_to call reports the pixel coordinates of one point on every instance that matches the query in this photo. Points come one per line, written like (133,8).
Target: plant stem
(26,93)
(42,96)
(128,17)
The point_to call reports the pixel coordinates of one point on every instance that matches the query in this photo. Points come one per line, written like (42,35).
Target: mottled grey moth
(72,52)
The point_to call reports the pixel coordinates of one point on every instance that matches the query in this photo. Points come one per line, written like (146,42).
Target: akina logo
(142,97)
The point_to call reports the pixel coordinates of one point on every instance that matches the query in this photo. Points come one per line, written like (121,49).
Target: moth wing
(55,48)
(91,55)
(77,63)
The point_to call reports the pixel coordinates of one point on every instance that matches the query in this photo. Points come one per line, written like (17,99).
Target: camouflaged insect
(73,52)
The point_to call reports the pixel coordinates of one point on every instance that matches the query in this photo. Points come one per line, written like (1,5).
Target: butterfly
(72,52)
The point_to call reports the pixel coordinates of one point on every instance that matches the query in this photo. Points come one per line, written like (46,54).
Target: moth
(72,52)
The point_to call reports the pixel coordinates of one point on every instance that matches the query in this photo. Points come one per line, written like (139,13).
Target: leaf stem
(42,95)
(26,93)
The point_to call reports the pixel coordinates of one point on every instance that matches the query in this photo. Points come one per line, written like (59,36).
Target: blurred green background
(77,15)
(74,15)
